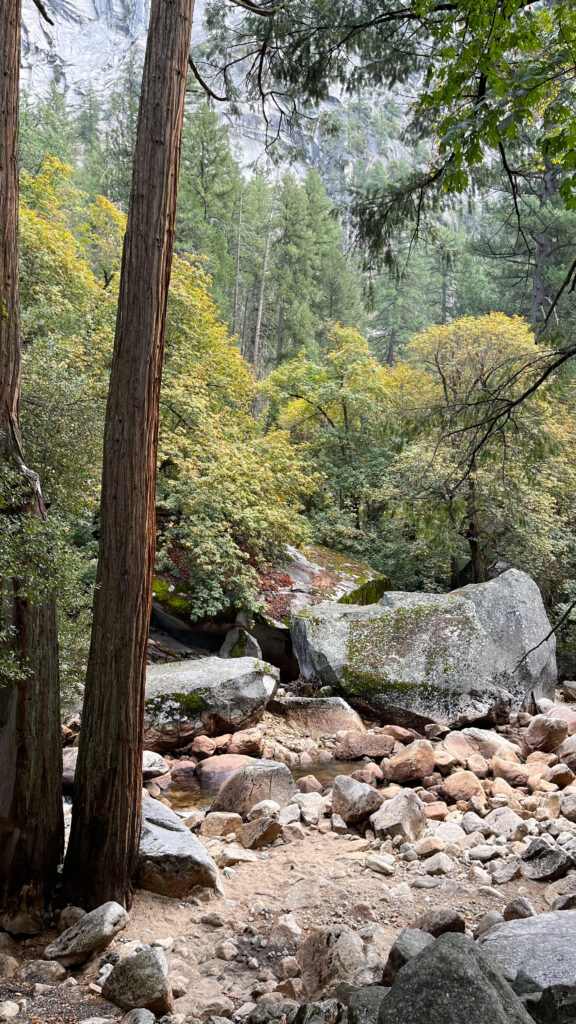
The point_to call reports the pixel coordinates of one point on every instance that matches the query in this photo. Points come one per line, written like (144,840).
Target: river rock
(448,983)
(409,944)
(402,816)
(461,748)
(261,832)
(440,920)
(210,695)
(418,658)
(355,744)
(540,949)
(415,761)
(91,934)
(260,780)
(503,821)
(140,980)
(566,752)
(153,765)
(220,823)
(318,716)
(544,863)
(545,733)
(463,786)
(518,909)
(172,861)
(330,956)
(246,741)
(354,801)
(489,743)
(213,771)
(69,760)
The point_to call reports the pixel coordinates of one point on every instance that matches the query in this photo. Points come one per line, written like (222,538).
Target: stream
(191,795)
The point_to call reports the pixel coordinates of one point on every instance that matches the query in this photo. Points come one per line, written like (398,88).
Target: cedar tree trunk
(106,817)
(31,818)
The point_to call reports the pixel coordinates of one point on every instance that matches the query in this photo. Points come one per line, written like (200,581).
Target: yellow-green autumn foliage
(348,412)
(229,492)
(393,444)
(516,494)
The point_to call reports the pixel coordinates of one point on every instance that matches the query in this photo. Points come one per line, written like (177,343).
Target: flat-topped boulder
(417,658)
(209,696)
(318,716)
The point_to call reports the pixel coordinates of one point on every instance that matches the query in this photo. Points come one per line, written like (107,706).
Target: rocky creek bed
(315,883)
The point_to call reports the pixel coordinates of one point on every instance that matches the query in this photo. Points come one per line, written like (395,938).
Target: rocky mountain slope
(88,44)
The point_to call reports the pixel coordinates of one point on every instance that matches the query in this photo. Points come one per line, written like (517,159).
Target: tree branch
(43,11)
(210,92)
(554,630)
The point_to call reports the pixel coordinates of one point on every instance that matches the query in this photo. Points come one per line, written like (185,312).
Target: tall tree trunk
(280,342)
(391,348)
(237,274)
(107,806)
(31,819)
(541,297)
(473,533)
(258,328)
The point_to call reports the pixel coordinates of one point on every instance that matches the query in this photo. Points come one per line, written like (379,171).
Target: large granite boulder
(260,780)
(172,861)
(209,696)
(534,953)
(417,658)
(511,610)
(451,982)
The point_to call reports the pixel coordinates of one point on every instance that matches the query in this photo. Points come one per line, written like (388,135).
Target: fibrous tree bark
(31,819)
(107,792)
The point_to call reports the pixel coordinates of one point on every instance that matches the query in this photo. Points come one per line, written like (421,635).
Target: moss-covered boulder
(209,696)
(417,658)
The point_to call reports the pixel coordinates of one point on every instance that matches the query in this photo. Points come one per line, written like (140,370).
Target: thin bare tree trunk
(237,275)
(107,792)
(31,819)
(257,329)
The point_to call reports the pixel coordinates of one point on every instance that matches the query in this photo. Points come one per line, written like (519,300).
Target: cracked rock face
(419,658)
(89,43)
(262,780)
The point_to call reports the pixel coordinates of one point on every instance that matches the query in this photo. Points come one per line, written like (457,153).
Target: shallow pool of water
(191,794)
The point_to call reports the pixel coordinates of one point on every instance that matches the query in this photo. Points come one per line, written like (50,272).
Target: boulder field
(432,878)
(303,861)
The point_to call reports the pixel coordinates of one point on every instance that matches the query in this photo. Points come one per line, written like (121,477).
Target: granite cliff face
(91,42)
(88,44)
